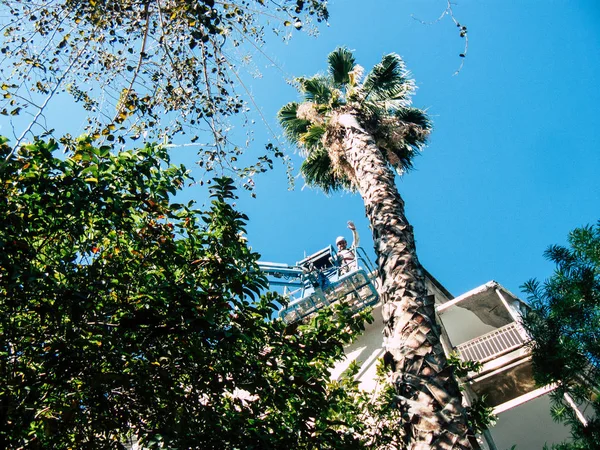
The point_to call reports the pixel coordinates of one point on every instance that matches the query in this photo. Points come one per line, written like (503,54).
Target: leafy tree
(127,317)
(150,69)
(354,133)
(565,326)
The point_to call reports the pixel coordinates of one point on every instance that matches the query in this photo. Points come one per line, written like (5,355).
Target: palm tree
(354,133)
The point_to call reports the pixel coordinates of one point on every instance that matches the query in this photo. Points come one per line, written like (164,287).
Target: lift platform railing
(354,288)
(319,280)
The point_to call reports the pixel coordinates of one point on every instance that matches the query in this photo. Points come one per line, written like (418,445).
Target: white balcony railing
(492,344)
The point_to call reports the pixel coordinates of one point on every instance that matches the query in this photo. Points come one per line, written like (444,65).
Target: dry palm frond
(332,140)
(356,74)
(308,111)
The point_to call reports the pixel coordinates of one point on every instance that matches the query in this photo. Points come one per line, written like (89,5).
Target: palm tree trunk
(428,393)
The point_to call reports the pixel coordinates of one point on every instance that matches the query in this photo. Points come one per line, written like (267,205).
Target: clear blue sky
(513,163)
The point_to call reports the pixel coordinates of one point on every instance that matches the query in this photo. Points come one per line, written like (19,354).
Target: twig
(139,64)
(43,105)
(462,31)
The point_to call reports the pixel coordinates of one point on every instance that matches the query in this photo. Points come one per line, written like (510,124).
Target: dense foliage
(127,317)
(565,326)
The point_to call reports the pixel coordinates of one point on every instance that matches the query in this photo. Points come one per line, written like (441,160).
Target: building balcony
(483,325)
(493,344)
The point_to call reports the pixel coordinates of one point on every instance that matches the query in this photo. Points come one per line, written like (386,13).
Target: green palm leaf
(293,127)
(316,89)
(417,123)
(381,104)
(374,111)
(312,138)
(388,80)
(318,172)
(341,61)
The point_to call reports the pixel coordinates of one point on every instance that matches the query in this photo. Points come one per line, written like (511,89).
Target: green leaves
(564,323)
(414,116)
(316,169)
(462,368)
(340,63)
(313,136)
(316,89)
(480,416)
(388,81)
(293,127)
(127,316)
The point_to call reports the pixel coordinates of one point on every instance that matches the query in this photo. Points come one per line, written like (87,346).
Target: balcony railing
(493,344)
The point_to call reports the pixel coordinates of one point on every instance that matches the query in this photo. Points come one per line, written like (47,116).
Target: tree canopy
(565,326)
(141,69)
(128,317)
(381,100)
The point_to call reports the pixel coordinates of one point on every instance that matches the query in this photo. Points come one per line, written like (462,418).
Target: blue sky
(513,161)
(512,164)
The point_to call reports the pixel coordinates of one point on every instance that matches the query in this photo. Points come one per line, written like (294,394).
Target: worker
(346,257)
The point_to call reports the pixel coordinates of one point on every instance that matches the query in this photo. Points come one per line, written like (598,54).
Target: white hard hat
(339,239)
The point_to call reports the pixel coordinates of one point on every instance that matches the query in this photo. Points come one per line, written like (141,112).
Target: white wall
(463,325)
(365,350)
(529,426)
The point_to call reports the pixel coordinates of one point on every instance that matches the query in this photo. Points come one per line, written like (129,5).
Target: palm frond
(415,116)
(374,111)
(416,124)
(388,81)
(293,127)
(316,89)
(382,109)
(312,137)
(341,61)
(318,171)
(401,157)
(394,97)
(401,136)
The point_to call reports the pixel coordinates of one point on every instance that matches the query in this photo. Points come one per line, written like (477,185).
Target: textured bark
(428,393)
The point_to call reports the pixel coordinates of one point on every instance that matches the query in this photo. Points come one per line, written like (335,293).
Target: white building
(482,325)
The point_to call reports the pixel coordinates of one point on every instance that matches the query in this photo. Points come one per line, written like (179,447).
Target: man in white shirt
(346,257)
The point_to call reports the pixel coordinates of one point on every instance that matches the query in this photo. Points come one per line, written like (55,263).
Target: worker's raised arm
(355,238)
